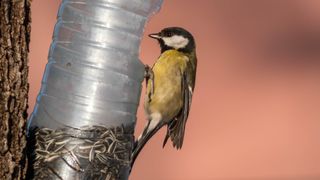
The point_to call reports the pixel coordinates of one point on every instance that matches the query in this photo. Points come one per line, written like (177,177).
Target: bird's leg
(148,75)
(146,71)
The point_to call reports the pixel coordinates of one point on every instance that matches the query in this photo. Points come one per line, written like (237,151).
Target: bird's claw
(147,69)
(148,75)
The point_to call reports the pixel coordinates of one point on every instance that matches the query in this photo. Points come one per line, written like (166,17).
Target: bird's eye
(169,34)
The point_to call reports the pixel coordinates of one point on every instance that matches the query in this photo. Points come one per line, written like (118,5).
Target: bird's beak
(155,36)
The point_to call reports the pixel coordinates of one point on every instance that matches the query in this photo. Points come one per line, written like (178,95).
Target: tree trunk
(14,41)
(83,123)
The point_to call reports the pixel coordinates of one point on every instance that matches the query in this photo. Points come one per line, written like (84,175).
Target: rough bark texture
(14,40)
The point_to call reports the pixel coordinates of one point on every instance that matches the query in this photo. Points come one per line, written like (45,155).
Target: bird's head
(175,38)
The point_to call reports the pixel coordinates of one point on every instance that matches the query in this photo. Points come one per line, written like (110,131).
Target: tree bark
(14,40)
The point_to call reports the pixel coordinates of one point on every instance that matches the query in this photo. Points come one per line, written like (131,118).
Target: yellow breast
(167,97)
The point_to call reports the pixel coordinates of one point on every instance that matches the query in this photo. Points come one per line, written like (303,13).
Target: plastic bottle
(93,75)
(92,82)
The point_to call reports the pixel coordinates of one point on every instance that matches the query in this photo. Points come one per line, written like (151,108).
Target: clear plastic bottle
(90,89)
(93,75)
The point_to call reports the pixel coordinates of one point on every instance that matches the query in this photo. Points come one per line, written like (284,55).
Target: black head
(175,38)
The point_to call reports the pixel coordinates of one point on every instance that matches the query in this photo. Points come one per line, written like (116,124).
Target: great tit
(170,85)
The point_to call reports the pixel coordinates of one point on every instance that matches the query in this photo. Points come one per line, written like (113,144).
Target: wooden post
(14,40)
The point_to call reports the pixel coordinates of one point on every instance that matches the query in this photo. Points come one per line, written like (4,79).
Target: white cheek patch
(176,41)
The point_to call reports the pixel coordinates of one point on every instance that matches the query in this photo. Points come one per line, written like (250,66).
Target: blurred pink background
(255,112)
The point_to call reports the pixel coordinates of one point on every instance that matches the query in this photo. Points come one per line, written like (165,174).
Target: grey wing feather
(176,128)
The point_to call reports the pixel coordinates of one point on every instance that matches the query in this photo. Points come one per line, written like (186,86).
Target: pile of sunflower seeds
(94,152)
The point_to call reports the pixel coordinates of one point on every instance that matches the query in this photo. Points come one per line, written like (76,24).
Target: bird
(170,85)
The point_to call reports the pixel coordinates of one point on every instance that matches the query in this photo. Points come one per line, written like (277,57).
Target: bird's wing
(176,128)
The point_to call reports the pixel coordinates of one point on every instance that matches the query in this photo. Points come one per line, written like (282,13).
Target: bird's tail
(141,142)
(176,131)
(177,134)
